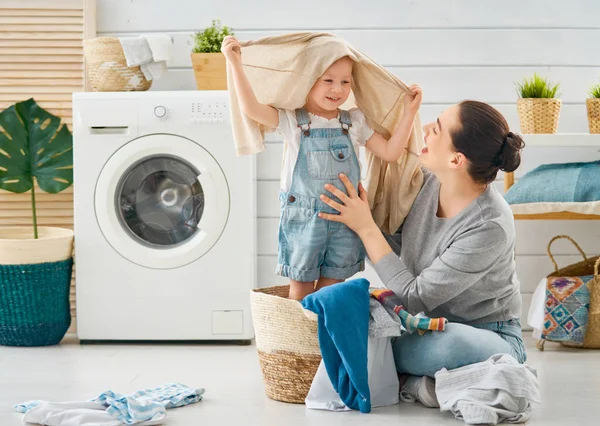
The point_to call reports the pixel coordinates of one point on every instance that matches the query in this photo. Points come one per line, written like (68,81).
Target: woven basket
(107,68)
(592,333)
(35,278)
(537,115)
(585,267)
(593,113)
(287,343)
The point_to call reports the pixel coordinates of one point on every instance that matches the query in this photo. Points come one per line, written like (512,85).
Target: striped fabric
(412,323)
(141,406)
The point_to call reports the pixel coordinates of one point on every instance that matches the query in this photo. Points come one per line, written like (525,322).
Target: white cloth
(77,413)
(535,318)
(383,380)
(150,52)
(499,389)
(359,133)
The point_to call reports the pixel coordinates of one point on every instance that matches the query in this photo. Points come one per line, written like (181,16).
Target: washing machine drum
(162,201)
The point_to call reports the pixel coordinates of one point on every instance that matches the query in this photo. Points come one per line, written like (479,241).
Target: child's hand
(231,49)
(412,99)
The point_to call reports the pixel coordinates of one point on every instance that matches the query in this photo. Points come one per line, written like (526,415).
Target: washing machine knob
(160,111)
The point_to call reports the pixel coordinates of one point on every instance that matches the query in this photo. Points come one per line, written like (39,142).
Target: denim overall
(309,246)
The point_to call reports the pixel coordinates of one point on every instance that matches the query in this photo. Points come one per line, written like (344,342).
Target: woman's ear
(459,160)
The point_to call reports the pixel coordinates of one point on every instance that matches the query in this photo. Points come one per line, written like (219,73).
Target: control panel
(208,112)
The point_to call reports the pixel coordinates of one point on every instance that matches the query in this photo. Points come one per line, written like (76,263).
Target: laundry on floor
(144,407)
(150,52)
(490,392)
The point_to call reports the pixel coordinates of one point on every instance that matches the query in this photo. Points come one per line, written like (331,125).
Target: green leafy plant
(595,91)
(33,144)
(536,87)
(210,40)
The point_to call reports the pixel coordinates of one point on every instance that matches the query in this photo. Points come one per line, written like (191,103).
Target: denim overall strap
(303,120)
(346,121)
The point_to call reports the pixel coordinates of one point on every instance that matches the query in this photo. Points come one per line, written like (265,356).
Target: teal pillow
(558,183)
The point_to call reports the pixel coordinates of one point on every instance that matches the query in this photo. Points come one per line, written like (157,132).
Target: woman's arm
(263,114)
(471,256)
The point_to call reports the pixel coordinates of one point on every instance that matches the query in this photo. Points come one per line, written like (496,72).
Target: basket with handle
(572,274)
(107,67)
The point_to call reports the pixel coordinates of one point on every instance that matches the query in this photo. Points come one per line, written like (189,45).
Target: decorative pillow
(558,183)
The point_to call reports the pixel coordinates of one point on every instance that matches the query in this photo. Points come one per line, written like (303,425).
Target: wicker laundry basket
(592,334)
(107,68)
(593,113)
(588,266)
(287,343)
(538,115)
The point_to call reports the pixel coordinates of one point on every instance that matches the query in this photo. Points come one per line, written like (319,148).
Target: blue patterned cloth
(558,183)
(143,405)
(566,309)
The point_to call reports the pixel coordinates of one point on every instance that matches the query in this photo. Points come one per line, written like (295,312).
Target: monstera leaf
(33,144)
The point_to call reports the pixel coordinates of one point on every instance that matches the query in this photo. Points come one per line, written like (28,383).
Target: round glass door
(160,201)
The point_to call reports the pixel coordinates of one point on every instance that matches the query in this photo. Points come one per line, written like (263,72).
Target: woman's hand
(354,212)
(231,49)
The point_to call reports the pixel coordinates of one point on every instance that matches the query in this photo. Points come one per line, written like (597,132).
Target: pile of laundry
(358,371)
(144,407)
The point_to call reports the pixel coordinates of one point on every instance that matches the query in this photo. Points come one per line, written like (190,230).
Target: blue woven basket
(34,303)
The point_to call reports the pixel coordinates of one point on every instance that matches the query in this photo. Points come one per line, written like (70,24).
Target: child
(321,143)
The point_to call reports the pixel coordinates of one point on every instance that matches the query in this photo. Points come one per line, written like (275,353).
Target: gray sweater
(462,267)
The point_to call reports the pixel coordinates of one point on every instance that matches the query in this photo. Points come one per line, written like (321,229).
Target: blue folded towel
(343,312)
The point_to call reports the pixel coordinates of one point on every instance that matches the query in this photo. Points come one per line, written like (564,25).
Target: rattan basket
(592,333)
(593,113)
(287,343)
(588,266)
(538,115)
(107,68)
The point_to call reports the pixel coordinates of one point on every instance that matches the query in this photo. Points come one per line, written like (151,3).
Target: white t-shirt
(360,133)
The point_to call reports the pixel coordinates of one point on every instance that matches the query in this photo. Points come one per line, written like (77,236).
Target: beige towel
(283,69)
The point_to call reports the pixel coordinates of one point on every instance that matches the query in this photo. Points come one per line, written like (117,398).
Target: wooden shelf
(562,140)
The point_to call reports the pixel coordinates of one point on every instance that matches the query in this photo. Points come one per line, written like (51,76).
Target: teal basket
(34,303)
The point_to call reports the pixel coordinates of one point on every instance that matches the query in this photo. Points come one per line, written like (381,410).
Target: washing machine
(164,218)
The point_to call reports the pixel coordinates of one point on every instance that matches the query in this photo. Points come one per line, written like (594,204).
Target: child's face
(333,88)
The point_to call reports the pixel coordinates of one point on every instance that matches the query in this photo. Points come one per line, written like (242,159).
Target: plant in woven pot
(593,109)
(35,262)
(210,67)
(538,107)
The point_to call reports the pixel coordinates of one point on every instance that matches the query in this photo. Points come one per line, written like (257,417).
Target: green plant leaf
(210,40)
(595,91)
(536,87)
(33,144)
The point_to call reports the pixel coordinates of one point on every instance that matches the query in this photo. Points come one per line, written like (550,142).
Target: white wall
(454,49)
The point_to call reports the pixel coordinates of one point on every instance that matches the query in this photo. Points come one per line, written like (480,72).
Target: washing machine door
(162,201)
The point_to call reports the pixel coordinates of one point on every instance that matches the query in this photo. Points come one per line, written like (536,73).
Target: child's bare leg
(300,289)
(324,282)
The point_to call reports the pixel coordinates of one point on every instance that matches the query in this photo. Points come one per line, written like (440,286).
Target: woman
(456,248)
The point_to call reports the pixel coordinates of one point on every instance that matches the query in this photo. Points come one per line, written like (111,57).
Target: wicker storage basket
(537,115)
(593,113)
(592,334)
(35,278)
(107,68)
(287,343)
(587,266)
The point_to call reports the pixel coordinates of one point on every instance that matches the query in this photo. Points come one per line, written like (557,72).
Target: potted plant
(207,60)
(35,262)
(538,109)
(593,109)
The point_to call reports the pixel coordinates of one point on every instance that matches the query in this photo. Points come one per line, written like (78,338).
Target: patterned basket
(537,115)
(107,68)
(593,113)
(584,268)
(287,343)
(592,335)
